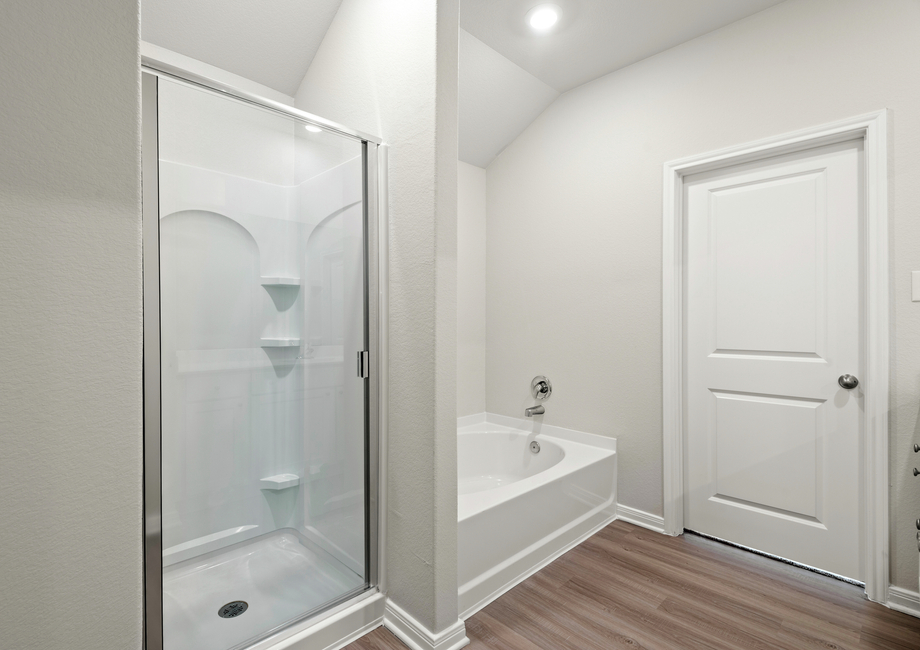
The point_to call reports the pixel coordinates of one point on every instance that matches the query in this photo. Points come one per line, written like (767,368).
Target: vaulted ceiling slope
(508,74)
(498,99)
(596,37)
(271,42)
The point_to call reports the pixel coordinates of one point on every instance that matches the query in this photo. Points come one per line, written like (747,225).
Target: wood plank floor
(627,587)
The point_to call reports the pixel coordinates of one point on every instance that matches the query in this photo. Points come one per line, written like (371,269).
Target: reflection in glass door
(263,313)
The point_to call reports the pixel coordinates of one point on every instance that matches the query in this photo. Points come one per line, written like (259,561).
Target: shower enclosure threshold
(281,577)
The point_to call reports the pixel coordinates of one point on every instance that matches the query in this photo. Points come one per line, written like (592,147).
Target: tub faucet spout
(534,410)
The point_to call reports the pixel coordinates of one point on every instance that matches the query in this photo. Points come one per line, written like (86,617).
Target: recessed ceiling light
(542,17)
(313,129)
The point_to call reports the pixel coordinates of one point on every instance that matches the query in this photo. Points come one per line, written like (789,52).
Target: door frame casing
(871,129)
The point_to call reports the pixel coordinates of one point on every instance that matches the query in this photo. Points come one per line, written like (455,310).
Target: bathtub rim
(537,426)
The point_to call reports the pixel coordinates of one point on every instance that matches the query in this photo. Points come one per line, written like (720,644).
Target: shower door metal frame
(375,309)
(153,532)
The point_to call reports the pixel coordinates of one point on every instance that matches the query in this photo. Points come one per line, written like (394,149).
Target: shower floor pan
(278,575)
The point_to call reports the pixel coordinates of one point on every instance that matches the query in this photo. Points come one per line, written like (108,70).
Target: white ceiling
(498,100)
(595,37)
(271,42)
(508,74)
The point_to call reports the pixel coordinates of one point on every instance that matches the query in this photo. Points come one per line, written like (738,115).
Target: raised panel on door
(771,320)
(766,453)
(767,266)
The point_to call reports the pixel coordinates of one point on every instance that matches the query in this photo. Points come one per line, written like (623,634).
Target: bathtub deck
(627,587)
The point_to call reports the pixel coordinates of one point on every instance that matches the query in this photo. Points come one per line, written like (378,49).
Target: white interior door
(772,320)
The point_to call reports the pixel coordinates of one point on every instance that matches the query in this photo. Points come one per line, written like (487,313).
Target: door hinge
(364,364)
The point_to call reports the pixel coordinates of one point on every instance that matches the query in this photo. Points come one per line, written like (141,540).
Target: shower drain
(234,609)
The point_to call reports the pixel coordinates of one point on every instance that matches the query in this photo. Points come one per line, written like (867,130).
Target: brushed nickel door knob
(848,381)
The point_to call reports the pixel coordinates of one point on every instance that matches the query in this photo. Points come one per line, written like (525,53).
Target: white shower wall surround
(519,510)
(238,384)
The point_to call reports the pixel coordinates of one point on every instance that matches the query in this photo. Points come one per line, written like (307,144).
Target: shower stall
(260,239)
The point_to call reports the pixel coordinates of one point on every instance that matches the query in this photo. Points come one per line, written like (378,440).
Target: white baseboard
(640,518)
(354,636)
(904,600)
(417,636)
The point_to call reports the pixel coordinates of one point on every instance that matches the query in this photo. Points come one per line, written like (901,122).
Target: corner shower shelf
(275,281)
(279,482)
(281,343)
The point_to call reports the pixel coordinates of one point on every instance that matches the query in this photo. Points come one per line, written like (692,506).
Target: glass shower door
(262,318)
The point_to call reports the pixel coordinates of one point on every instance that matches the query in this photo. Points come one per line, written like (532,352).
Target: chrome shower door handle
(848,381)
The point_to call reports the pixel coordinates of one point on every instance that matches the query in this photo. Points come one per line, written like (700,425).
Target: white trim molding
(417,636)
(640,518)
(872,129)
(904,600)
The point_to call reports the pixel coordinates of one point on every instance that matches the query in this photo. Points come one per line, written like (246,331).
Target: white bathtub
(518,511)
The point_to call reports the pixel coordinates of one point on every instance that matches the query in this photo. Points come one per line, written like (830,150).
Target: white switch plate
(915,286)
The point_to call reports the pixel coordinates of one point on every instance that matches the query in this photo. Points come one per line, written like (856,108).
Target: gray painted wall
(70,314)
(471,289)
(576,201)
(390,68)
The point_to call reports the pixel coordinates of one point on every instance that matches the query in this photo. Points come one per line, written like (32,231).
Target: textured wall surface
(70,317)
(390,68)
(574,227)
(471,289)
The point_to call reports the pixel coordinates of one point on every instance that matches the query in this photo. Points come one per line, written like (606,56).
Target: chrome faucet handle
(541,388)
